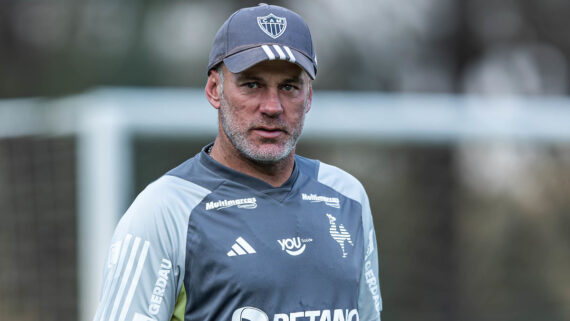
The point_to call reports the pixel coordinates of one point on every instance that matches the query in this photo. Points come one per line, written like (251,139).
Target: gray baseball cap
(265,32)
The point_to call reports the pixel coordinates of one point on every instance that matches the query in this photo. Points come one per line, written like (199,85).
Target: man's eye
(288,87)
(251,85)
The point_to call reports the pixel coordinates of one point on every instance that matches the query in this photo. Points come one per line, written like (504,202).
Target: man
(246,229)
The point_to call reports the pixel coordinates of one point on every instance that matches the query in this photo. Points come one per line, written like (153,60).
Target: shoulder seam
(350,180)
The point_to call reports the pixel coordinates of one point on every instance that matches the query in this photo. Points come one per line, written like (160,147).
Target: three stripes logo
(272,25)
(120,284)
(241,247)
(281,53)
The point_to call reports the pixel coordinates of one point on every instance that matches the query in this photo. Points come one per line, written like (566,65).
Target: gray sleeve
(144,272)
(369,299)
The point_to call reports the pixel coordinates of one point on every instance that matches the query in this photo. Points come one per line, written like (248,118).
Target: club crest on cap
(272,25)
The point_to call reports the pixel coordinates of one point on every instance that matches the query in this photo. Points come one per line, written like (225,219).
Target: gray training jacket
(205,242)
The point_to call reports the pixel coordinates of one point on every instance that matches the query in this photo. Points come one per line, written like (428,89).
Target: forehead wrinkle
(247,76)
(273,67)
(251,75)
(295,79)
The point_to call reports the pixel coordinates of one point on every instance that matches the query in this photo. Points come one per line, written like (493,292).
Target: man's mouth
(269,132)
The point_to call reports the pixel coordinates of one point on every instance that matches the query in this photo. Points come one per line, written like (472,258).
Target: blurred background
(469,227)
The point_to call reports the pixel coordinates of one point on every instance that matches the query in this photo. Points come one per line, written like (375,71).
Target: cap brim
(245,59)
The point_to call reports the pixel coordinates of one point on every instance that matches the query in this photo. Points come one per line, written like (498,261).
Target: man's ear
(213,89)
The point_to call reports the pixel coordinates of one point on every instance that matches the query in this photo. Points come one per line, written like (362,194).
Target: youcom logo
(294,246)
(249,314)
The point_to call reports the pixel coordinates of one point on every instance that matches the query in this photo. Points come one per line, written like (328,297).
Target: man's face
(263,109)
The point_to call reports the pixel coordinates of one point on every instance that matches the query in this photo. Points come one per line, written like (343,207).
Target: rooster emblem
(340,234)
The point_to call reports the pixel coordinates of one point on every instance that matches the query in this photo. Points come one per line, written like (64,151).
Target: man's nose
(271,103)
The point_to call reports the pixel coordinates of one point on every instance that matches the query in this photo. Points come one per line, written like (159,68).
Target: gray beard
(247,149)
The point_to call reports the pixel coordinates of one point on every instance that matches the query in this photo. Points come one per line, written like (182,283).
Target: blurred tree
(61,47)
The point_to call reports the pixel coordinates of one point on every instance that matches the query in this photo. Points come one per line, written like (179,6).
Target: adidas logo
(241,247)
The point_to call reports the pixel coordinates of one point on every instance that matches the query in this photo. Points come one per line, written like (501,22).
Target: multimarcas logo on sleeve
(255,314)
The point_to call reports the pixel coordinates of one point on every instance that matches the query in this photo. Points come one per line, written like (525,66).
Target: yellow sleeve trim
(180,307)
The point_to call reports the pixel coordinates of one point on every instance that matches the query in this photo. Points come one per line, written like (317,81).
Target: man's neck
(275,174)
